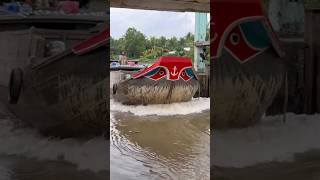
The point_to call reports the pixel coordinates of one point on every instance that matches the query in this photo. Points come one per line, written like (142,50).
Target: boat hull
(242,92)
(147,91)
(66,96)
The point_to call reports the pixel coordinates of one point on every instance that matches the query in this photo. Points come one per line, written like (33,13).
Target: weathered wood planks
(164,5)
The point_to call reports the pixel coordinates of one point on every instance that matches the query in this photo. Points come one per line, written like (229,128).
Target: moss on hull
(243,92)
(146,91)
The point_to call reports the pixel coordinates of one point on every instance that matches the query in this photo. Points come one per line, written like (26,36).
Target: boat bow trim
(171,67)
(92,42)
(245,14)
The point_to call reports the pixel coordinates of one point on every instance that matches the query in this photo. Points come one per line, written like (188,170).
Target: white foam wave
(272,140)
(90,154)
(196,105)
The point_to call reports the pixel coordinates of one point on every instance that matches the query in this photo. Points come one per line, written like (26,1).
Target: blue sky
(151,23)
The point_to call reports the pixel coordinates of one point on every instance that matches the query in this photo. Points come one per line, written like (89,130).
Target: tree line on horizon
(137,46)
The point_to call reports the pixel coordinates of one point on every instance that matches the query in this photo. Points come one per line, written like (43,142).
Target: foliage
(134,43)
(136,46)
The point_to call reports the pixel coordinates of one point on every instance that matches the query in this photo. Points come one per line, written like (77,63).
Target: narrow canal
(160,141)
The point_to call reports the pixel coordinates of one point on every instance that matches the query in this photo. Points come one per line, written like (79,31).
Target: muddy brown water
(160,147)
(159,141)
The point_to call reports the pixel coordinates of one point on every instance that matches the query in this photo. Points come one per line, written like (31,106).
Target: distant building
(187,48)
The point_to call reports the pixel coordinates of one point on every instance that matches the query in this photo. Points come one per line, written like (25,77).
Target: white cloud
(151,23)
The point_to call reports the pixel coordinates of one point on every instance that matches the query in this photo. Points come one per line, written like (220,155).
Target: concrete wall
(98,5)
(287,16)
(303,68)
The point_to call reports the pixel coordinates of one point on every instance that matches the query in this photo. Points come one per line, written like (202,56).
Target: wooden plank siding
(312,64)
(164,5)
(204,80)
(294,60)
(303,68)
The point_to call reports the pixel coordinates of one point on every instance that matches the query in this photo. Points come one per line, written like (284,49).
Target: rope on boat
(286,93)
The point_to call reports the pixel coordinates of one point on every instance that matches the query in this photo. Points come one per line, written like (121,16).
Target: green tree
(173,43)
(113,48)
(152,43)
(137,46)
(182,42)
(134,43)
(189,38)
(162,42)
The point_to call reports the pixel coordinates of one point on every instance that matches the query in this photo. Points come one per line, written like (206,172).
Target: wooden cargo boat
(247,69)
(170,79)
(56,79)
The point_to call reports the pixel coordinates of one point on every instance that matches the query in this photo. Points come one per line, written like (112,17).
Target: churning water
(25,154)
(169,141)
(272,149)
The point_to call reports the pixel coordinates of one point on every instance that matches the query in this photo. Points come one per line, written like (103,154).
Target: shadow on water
(304,166)
(19,168)
(270,150)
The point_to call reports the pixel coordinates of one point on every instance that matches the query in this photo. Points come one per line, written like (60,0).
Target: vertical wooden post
(312,64)
(316,30)
(308,68)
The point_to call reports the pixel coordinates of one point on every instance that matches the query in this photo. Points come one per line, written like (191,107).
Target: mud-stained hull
(146,91)
(242,92)
(247,68)
(65,96)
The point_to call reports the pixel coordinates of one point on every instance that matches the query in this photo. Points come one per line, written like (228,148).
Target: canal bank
(162,141)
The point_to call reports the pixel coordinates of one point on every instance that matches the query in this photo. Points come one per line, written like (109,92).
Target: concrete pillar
(287,16)
(199,35)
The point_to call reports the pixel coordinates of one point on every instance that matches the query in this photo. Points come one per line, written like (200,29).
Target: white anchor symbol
(174,71)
